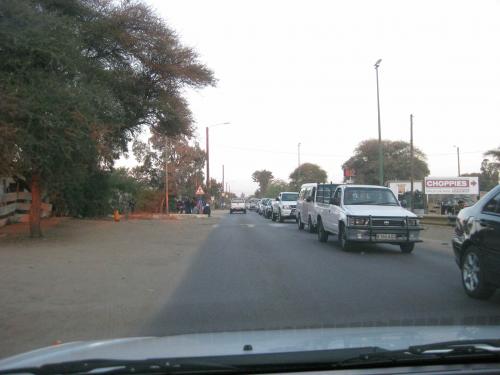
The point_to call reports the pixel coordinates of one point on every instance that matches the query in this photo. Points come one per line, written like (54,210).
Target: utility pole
(380,150)
(458,160)
(166,176)
(208,160)
(222,176)
(411,162)
(298,156)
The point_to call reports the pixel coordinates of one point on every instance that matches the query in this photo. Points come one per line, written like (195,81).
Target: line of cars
(372,214)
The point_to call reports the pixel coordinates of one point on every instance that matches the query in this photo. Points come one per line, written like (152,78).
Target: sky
(303,71)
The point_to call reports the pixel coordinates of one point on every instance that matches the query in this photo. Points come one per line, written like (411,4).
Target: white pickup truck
(370,214)
(285,206)
(237,204)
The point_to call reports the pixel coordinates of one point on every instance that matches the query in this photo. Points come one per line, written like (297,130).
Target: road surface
(252,273)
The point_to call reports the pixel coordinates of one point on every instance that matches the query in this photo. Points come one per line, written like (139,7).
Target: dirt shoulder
(90,279)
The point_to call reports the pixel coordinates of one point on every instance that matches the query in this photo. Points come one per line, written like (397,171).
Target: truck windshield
(360,196)
(289,197)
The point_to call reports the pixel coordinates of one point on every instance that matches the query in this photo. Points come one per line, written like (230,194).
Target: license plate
(386,236)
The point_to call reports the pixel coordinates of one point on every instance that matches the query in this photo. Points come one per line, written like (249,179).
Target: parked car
(253,204)
(261,206)
(268,211)
(370,214)
(311,195)
(285,206)
(237,205)
(476,244)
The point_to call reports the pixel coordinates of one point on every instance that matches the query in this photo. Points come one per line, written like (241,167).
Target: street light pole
(209,185)
(411,162)
(208,160)
(298,156)
(380,150)
(458,159)
(166,176)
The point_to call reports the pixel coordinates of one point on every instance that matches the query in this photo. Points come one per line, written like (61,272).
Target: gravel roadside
(91,279)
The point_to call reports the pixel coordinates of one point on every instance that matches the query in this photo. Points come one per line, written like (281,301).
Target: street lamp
(208,149)
(380,151)
(458,159)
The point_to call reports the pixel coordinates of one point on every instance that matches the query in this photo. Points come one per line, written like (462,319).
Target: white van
(311,195)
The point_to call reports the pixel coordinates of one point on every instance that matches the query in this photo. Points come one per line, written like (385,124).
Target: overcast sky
(302,71)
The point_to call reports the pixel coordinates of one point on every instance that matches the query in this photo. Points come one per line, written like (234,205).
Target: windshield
(369,196)
(137,199)
(289,197)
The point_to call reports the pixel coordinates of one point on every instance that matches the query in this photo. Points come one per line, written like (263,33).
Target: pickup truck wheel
(473,278)
(407,248)
(344,243)
(300,223)
(310,226)
(280,218)
(322,234)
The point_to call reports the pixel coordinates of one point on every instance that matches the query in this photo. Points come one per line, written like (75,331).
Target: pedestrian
(187,206)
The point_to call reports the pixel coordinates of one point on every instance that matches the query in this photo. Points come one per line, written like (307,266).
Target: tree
(78,79)
(263,178)
(495,154)
(275,187)
(396,162)
(186,161)
(488,178)
(306,172)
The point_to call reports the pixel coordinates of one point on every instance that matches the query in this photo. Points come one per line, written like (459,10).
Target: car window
(493,206)
(336,196)
(369,196)
(289,197)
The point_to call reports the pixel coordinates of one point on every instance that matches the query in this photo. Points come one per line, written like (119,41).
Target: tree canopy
(185,164)
(275,187)
(263,178)
(396,162)
(489,175)
(78,80)
(305,173)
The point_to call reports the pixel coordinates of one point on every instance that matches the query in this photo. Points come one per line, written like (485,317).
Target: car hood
(372,210)
(289,203)
(263,342)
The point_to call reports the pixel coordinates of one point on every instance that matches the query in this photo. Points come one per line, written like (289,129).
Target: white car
(285,206)
(370,214)
(312,196)
(237,205)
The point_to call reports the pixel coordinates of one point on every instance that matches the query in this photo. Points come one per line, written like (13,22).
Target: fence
(15,207)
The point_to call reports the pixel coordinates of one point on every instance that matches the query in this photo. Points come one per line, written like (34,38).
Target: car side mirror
(404,204)
(331,201)
(277,199)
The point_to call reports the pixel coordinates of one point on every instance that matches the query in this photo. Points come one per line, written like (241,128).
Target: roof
(366,186)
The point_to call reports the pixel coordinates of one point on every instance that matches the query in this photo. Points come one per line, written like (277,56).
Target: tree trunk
(35,211)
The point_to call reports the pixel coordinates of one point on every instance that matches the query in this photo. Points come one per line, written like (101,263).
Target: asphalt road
(252,273)
(96,279)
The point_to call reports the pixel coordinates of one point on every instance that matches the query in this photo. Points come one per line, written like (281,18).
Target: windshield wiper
(116,366)
(292,361)
(432,353)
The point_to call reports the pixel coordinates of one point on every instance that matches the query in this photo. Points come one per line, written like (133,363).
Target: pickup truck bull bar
(373,229)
